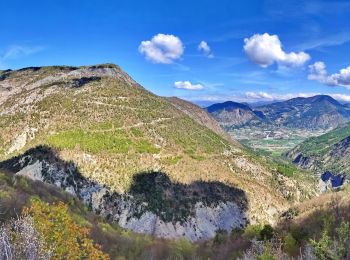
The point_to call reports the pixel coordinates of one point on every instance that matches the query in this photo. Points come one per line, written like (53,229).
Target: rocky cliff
(153,204)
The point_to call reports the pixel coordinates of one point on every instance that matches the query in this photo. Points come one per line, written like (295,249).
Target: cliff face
(153,205)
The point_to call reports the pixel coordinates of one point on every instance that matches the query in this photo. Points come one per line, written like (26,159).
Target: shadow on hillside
(171,201)
(175,201)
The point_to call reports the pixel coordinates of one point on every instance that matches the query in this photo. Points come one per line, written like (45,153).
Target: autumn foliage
(65,238)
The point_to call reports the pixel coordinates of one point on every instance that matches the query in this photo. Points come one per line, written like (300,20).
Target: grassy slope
(112,129)
(324,152)
(318,146)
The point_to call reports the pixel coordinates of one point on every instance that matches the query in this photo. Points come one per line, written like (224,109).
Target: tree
(333,247)
(343,232)
(322,247)
(266,233)
(62,235)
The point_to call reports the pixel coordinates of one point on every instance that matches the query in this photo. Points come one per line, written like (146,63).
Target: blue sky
(203,51)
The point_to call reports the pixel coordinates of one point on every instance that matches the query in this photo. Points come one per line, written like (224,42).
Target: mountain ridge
(111,128)
(235,114)
(318,112)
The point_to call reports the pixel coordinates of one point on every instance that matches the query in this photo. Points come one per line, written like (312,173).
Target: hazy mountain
(330,151)
(150,164)
(314,112)
(233,114)
(318,112)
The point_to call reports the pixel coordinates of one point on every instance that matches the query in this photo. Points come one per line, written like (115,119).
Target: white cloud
(162,48)
(205,49)
(251,97)
(341,97)
(256,96)
(318,71)
(17,51)
(340,79)
(265,49)
(187,85)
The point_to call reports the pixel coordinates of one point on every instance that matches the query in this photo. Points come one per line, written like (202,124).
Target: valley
(280,126)
(272,140)
(175,130)
(153,167)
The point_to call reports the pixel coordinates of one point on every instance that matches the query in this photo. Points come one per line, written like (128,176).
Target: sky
(202,51)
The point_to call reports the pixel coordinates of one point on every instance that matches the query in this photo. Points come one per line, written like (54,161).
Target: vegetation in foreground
(59,226)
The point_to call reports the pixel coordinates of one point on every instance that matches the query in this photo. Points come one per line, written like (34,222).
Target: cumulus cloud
(205,49)
(258,95)
(162,48)
(318,71)
(187,85)
(265,50)
(341,97)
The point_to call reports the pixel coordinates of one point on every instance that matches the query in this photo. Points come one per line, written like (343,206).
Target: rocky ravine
(200,218)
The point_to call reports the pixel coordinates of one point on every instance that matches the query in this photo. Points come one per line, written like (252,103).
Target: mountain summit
(150,164)
(319,111)
(235,114)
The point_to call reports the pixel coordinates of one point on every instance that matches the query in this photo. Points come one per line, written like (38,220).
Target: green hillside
(110,129)
(326,152)
(320,145)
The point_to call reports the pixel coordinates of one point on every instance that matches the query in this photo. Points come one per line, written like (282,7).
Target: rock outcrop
(200,220)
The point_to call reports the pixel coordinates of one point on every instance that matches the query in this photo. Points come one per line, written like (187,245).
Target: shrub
(266,255)
(335,247)
(253,232)
(290,244)
(266,233)
(61,234)
(220,237)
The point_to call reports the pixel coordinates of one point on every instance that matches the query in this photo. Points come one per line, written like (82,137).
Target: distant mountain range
(317,112)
